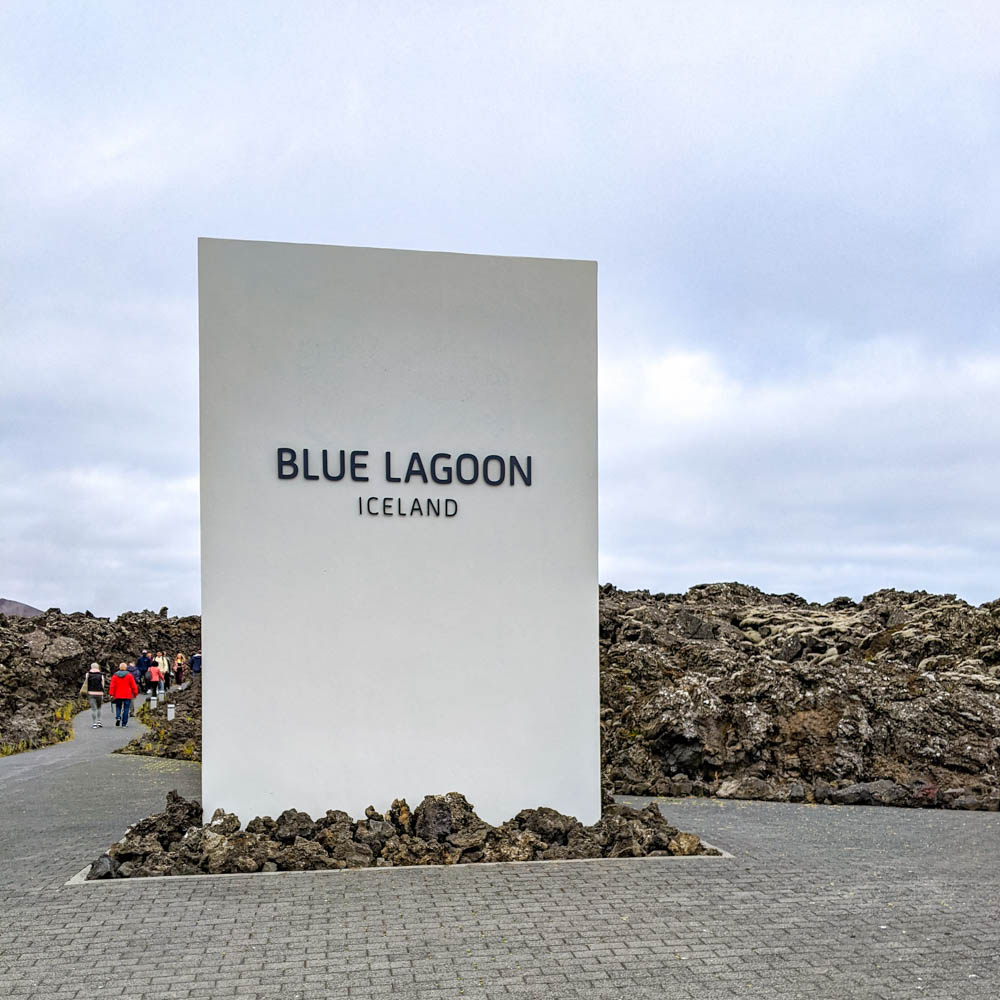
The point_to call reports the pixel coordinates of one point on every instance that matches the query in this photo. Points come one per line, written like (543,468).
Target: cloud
(99,457)
(870,469)
(794,208)
(100,537)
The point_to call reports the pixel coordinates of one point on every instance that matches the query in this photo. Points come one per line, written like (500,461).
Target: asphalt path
(62,805)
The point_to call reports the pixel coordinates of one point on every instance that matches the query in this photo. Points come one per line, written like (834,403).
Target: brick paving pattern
(817,902)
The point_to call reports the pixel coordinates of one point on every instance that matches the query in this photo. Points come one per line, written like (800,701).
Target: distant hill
(17,608)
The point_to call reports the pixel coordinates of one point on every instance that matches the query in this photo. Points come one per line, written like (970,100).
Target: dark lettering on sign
(358,466)
(467,469)
(287,469)
(525,476)
(493,470)
(444,475)
(497,480)
(401,507)
(467,459)
(340,471)
(416,467)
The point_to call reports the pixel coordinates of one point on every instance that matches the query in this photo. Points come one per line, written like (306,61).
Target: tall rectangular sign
(399,529)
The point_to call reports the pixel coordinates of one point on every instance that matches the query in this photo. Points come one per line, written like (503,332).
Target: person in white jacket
(164,664)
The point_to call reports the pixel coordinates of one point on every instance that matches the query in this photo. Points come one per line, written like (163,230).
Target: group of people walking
(154,674)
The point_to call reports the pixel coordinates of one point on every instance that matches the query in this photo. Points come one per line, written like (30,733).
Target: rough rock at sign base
(728,691)
(442,830)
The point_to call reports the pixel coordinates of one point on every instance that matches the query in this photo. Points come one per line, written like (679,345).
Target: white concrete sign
(399,529)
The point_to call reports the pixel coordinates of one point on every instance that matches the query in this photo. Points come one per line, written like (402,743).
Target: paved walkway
(817,902)
(64,804)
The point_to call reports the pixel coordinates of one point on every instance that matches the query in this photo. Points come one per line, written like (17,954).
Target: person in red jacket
(121,691)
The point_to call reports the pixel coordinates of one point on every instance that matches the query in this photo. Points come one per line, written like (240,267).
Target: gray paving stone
(817,902)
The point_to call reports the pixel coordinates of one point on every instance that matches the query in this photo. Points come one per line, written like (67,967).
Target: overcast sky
(795,209)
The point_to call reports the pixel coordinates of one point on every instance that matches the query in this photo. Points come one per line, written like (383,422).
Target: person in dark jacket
(143,662)
(94,682)
(137,674)
(122,690)
(196,663)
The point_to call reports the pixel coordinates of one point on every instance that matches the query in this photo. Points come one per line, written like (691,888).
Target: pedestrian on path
(122,690)
(154,679)
(196,663)
(94,683)
(137,674)
(164,664)
(179,666)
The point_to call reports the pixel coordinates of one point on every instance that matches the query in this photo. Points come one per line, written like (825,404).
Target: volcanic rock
(104,867)
(684,844)
(724,690)
(43,660)
(179,739)
(438,815)
(263,825)
(400,816)
(510,842)
(175,842)
(373,833)
(551,826)
(293,824)
(224,823)
(303,855)
(171,825)
(729,691)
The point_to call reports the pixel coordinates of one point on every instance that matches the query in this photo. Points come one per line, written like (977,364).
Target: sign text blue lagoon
(441,467)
